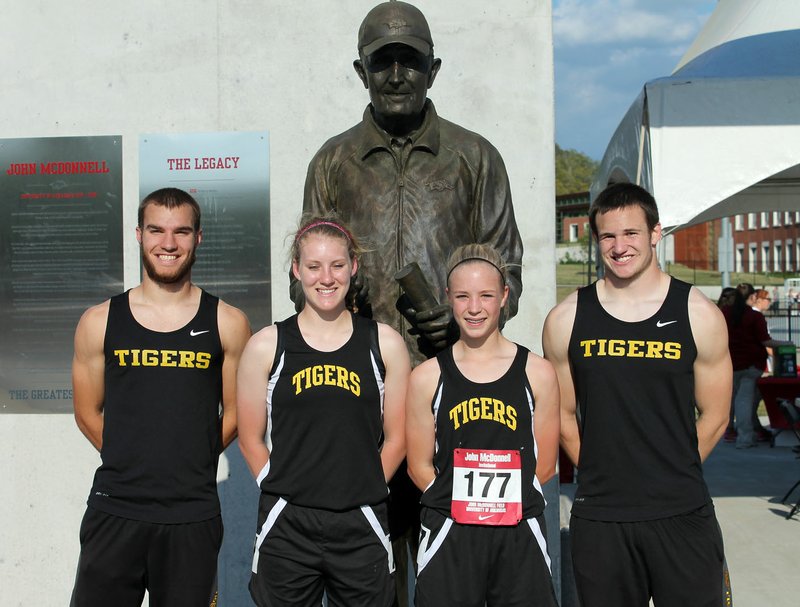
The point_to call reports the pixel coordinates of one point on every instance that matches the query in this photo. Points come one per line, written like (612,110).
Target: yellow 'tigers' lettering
(327,375)
(485,408)
(631,348)
(185,359)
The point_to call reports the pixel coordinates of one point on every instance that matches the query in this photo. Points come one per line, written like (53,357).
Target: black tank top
(325,420)
(161,431)
(634,383)
(494,415)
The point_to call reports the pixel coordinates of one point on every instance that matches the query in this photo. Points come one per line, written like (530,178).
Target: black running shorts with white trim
(474,565)
(302,552)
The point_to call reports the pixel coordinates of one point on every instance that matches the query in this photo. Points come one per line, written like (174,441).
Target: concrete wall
(90,68)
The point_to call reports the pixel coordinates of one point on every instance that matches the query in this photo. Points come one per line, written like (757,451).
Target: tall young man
(154,381)
(645,376)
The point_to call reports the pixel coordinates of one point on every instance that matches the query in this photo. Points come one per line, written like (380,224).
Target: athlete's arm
(251,397)
(398,368)
(234,331)
(713,373)
(420,428)
(555,341)
(88,373)
(546,416)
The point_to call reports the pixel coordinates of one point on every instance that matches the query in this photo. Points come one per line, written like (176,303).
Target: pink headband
(316,224)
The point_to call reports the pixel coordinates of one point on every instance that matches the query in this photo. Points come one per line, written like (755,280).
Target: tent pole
(725,254)
(640,161)
(642,132)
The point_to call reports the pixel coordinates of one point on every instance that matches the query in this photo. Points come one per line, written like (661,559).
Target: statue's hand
(296,294)
(360,288)
(433,325)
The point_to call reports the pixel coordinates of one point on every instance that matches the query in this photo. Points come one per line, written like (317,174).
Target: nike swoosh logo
(194,333)
(660,324)
(484,517)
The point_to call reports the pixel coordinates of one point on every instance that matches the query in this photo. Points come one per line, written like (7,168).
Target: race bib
(487,487)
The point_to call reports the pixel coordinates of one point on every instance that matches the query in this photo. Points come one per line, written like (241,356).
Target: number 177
(489,476)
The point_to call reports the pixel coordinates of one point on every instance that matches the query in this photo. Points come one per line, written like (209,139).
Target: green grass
(570,276)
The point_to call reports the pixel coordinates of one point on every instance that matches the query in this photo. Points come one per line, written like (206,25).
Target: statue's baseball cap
(394,23)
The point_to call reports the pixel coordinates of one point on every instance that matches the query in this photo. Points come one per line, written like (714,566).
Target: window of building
(751,221)
(764,219)
(797,255)
(790,258)
(777,258)
(739,259)
(787,218)
(765,257)
(739,223)
(751,259)
(573,232)
(776,218)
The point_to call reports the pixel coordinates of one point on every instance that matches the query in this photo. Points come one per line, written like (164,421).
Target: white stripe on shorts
(426,552)
(265,529)
(373,521)
(537,533)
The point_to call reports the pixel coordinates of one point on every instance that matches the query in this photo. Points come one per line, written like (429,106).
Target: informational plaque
(228,174)
(60,252)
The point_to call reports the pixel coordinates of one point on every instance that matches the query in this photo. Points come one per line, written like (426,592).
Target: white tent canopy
(721,135)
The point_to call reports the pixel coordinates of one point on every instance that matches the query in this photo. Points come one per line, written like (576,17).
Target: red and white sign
(487,487)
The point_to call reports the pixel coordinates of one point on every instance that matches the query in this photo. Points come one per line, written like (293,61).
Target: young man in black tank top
(645,376)
(150,370)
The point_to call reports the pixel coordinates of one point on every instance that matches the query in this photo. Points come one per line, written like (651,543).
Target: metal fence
(784,323)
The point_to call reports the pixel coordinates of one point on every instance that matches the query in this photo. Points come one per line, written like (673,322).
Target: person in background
(748,292)
(748,340)
(762,300)
(726,297)
(758,300)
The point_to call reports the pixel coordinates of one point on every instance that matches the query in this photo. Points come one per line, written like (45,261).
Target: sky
(605,50)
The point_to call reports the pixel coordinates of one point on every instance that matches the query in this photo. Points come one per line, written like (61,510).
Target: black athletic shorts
(474,565)
(677,560)
(302,552)
(121,558)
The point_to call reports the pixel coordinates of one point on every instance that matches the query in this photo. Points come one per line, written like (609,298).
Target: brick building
(766,241)
(572,216)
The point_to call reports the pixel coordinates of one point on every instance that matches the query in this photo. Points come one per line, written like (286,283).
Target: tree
(574,171)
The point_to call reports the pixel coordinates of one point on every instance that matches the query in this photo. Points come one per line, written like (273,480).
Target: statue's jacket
(415,199)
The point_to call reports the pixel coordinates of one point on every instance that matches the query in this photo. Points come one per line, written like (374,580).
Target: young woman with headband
(321,420)
(482,431)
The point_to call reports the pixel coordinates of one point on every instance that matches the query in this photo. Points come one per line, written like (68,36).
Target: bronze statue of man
(414,185)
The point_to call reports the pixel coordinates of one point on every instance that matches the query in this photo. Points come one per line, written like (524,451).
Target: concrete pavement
(762,547)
